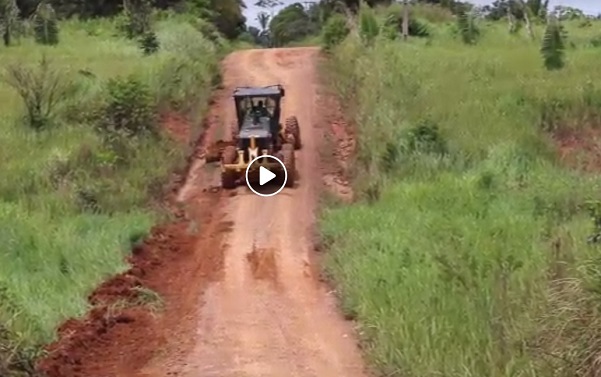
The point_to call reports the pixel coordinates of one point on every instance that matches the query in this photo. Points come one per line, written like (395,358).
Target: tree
(45,24)
(138,14)
(405,22)
(291,24)
(528,13)
(269,3)
(228,17)
(254,32)
(499,9)
(335,31)
(567,13)
(263,18)
(9,13)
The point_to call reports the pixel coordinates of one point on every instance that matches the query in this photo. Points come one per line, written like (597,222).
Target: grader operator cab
(259,132)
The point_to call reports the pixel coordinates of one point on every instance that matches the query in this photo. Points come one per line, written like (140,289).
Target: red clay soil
(177,126)
(339,151)
(108,342)
(580,148)
(82,341)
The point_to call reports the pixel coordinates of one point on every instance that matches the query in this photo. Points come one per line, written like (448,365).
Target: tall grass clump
(84,163)
(468,251)
(369,28)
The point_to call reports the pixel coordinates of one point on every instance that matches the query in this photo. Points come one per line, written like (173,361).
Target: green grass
(55,250)
(458,268)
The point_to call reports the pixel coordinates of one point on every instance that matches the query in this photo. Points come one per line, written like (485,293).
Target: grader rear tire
(292,128)
(290,163)
(228,177)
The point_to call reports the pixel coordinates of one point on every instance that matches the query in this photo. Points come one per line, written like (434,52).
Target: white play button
(267,171)
(265,176)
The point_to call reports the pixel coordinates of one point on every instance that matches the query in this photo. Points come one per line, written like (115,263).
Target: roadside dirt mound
(86,344)
(339,150)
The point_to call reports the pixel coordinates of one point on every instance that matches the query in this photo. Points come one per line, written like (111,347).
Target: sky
(588,6)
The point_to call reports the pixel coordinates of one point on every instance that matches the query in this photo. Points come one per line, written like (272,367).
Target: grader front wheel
(228,177)
(293,129)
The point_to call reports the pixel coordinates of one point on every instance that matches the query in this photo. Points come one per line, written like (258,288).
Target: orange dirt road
(267,313)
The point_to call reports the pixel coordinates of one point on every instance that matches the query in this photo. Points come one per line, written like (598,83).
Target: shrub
(466,24)
(185,74)
(596,41)
(149,44)
(42,89)
(423,138)
(368,25)
(335,31)
(129,110)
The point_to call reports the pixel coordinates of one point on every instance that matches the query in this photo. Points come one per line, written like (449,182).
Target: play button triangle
(265,176)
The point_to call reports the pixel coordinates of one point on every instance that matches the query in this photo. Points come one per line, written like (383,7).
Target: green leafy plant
(596,41)
(467,27)
(553,45)
(149,43)
(368,25)
(594,211)
(424,137)
(129,110)
(335,31)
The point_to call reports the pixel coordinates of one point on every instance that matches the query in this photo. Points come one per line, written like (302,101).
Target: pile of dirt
(214,151)
(95,337)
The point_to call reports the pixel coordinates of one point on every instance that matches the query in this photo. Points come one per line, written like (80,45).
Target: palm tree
(263,19)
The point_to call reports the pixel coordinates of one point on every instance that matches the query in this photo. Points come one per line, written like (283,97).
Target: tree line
(226,15)
(306,18)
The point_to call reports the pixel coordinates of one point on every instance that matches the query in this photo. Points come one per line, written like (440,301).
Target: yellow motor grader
(259,132)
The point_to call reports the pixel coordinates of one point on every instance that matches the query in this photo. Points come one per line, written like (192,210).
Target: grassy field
(72,199)
(468,254)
